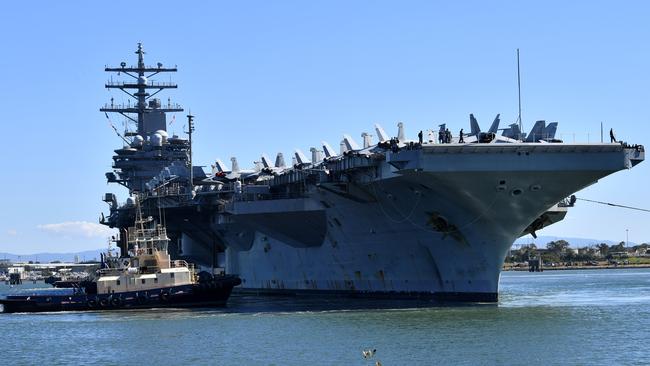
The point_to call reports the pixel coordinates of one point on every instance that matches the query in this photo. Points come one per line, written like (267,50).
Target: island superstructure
(433,217)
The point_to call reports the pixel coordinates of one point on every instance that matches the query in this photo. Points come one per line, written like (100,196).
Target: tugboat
(146,278)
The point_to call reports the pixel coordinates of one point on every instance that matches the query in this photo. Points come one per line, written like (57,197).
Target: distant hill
(87,255)
(541,241)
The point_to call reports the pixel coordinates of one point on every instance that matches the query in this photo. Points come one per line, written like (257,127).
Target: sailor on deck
(611,135)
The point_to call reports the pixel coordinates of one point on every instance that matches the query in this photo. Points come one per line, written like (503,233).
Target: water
(583,317)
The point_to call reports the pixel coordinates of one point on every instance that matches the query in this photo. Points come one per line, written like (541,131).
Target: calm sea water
(583,317)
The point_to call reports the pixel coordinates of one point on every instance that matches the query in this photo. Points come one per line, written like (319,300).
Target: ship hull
(208,294)
(422,233)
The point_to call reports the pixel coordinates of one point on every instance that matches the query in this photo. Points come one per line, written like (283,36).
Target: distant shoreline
(565,268)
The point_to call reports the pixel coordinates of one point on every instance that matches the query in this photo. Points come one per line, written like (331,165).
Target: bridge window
(144,281)
(117,282)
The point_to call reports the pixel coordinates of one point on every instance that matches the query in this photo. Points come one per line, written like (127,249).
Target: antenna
(110,123)
(190,124)
(601,132)
(521,125)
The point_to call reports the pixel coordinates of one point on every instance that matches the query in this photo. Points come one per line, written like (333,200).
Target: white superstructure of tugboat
(148,266)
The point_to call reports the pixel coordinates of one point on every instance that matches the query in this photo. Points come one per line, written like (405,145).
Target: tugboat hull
(204,294)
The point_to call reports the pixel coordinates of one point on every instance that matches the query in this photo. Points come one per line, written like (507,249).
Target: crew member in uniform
(611,135)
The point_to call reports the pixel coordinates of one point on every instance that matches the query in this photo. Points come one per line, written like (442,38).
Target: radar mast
(148,149)
(139,89)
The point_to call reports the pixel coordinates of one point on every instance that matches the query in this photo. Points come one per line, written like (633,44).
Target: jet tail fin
(401,134)
(381,134)
(235,165)
(367,139)
(265,161)
(279,161)
(513,132)
(300,157)
(327,149)
(316,156)
(495,124)
(550,130)
(220,166)
(343,147)
(475,130)
(537,132)
(350,143)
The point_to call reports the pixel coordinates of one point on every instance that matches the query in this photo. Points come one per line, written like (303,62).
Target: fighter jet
(512,132)
(543,133)
(279,166)
(219,169)
(476,135)
(235,173)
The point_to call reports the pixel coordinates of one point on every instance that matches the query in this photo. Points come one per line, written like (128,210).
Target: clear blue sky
(273,76)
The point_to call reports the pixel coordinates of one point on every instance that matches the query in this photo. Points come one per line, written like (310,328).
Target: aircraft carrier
(431,217)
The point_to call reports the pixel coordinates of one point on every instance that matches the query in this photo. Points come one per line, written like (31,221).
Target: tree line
(560,251)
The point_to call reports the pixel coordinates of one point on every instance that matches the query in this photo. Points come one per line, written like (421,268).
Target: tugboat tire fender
(103,303)
(91,303)
(116,301)
(164,296)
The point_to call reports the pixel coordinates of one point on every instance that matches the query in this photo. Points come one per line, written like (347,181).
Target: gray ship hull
(438,226)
